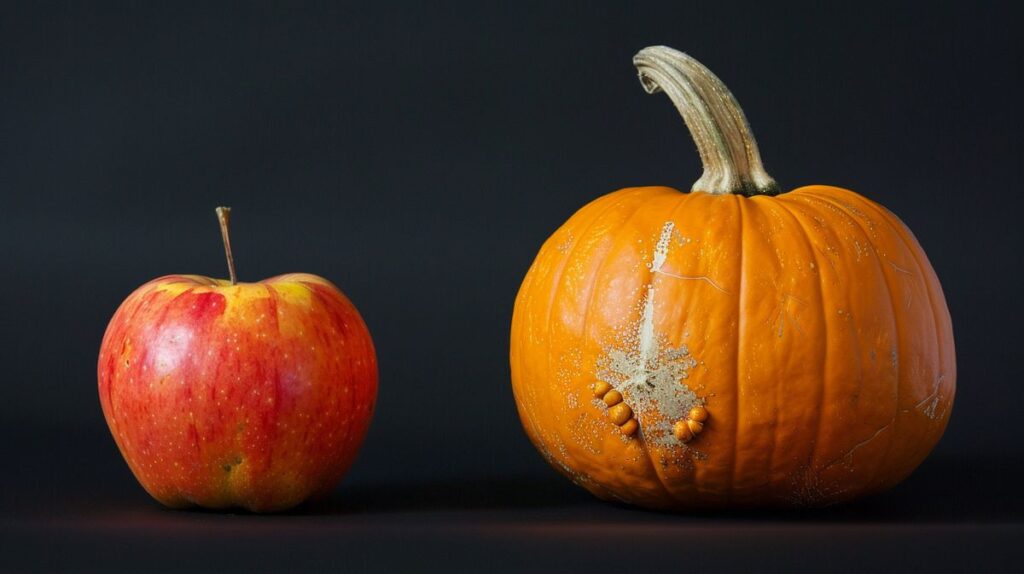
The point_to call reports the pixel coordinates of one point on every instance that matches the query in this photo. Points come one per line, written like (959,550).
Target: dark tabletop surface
(70,503)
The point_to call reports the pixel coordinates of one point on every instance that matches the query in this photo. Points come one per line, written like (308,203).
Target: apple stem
(224,217)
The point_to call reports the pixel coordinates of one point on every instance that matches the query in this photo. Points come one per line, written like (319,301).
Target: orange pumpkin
(731,346)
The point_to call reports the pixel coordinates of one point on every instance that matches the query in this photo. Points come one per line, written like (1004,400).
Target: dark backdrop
(418,156)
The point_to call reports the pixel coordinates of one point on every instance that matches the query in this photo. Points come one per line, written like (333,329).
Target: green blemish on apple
(228,467)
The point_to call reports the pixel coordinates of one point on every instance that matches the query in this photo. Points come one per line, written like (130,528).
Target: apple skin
(255,395)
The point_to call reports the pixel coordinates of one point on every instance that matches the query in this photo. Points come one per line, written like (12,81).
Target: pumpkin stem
(224,218)
(726,145)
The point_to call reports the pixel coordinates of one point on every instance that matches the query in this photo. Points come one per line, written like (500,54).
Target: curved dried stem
(728,151)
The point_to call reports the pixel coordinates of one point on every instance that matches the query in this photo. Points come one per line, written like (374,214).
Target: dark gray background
(418,156)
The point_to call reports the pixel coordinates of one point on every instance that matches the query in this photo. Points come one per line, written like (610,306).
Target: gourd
(734,345)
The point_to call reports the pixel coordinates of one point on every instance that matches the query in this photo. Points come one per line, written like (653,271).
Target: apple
(224,394)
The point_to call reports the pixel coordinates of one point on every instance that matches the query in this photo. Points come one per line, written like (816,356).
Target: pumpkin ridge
(558,282)
(643,443)
(844,212)
(816,469)
(762,203)
(669,216)
(798,218)
(527,413)
(730,495)
(902,232)
(848,212)
(601,266)
(772,204)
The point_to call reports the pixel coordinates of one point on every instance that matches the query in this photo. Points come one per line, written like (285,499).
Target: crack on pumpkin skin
(908,298)
(847,457)
(785,314)
(646,370)
(899,269)
(930,402)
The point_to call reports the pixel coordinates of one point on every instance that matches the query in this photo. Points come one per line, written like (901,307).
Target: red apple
(222,394)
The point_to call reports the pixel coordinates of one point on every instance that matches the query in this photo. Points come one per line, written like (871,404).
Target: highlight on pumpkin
(731,345)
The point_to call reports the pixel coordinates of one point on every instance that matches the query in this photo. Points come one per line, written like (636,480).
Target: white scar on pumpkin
(646,369)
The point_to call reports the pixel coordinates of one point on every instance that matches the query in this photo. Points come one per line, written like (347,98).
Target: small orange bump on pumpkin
(600,388)
(620,413)
(694,426)
(630,427)
(698,413)
(613,398)
(682,431)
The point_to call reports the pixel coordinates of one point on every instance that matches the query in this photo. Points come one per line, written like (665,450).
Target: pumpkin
(733,346)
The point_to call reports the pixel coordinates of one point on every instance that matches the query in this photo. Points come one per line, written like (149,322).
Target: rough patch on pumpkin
(647,370)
